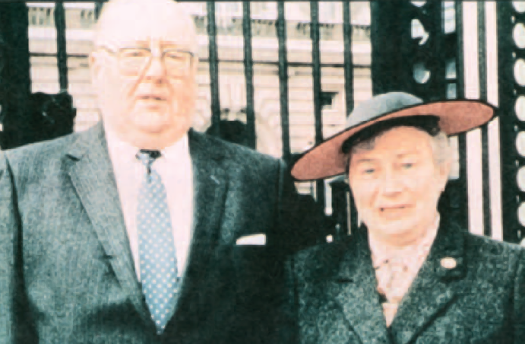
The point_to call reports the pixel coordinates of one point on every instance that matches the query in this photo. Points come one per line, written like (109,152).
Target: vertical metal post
(460,199)
(213,62)
(507,122)
(60,24)
(16,83)
(98,9)
(283,81)
(482,58)
(248,74)
(349,90)
(316,73)
(387,30)
(348,58)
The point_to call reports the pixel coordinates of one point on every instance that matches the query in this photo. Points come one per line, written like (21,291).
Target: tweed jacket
(480,300)
(66,270)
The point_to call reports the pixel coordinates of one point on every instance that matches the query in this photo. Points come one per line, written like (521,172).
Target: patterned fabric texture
(158,265)
(470,289)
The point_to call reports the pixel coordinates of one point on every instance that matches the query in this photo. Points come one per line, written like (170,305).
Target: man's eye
(408,165)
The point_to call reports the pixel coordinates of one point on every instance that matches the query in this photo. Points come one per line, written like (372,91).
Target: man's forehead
(131,21)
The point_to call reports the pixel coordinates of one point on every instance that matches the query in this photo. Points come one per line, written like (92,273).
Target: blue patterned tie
(158,262)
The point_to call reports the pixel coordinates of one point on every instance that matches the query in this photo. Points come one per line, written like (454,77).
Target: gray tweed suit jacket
(481,300)
(66,270)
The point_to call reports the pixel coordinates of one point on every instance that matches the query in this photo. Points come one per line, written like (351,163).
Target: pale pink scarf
(396,269)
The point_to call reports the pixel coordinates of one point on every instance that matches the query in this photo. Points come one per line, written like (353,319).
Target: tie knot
(147,157)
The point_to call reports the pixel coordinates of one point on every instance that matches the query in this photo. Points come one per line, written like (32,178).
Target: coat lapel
(355,291)
(210,183)
(431,291)
(92,176)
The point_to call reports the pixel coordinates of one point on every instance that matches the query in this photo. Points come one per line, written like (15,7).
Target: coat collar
(92,176)
(433,288)
(354,288)
(210,185)
(355,292)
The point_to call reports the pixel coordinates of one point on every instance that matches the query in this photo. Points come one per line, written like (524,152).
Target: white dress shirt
(175,168)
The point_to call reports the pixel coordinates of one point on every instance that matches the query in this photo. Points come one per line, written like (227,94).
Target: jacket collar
(91,174)
(433,289)
(354,288)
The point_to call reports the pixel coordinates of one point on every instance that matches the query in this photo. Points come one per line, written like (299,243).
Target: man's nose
(155,68)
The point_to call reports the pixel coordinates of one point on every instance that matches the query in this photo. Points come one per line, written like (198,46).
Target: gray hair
(439,142)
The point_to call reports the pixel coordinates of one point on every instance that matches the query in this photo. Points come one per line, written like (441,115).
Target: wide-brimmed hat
(327,159)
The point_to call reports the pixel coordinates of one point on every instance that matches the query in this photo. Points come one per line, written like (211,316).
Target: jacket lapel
(355,291)
(431,291)
(209,183)
(92,176)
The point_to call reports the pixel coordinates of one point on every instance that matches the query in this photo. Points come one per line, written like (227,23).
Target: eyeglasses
(132,61)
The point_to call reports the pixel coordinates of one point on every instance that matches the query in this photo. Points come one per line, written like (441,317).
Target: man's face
(397,184)
(153,106)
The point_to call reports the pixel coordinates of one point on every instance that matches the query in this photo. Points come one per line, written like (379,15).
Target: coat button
(448,263)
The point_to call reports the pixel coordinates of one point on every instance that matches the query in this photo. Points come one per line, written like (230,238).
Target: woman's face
(397,184)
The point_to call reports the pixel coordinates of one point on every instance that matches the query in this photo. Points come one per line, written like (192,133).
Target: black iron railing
(396,57)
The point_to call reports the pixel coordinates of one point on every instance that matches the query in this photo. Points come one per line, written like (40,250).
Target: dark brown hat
(327,159)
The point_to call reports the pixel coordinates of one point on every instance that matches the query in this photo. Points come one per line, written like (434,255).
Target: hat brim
(455,116)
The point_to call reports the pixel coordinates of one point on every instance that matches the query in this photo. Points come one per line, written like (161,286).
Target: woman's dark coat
(333,296)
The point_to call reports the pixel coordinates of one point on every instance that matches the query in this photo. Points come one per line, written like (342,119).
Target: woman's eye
(408,165)
(369,170)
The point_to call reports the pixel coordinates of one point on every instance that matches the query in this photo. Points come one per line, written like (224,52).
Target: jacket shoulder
(240,156)
(40,151)
(501,255)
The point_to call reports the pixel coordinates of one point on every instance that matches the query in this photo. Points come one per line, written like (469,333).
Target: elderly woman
(404,276)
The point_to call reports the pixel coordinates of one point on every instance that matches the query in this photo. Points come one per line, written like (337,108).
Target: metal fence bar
(60,24)
(213,62)
(348,58)
(482,57)
(349,90)
(283,81)
(509,156)
(316,74)
(98,9)
(248,74)
(461,182)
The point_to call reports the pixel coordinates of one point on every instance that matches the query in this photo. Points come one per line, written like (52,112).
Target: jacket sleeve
(519,300)
(15,324)
(8,240)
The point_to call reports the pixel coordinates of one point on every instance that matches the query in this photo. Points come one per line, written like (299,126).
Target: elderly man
(141,230)
(405,276)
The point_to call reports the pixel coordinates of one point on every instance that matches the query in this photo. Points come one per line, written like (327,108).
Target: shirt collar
(120,150)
